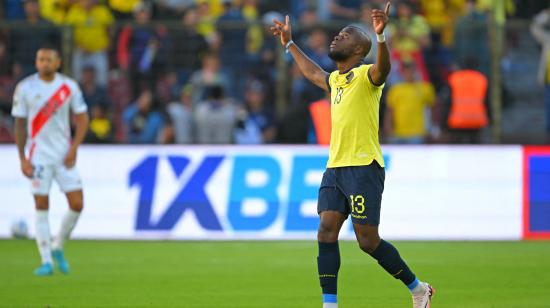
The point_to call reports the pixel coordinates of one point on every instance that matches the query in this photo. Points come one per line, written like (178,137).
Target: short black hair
(364,38)
(49,46)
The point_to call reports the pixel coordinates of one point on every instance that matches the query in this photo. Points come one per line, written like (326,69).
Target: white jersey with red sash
(47,106)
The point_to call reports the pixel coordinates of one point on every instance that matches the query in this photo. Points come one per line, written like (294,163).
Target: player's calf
(43,241)
(328,265)
(328,261)
(388,257)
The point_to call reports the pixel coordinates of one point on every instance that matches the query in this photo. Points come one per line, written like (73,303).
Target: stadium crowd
(207,71)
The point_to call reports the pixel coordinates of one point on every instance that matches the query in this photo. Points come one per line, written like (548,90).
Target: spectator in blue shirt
(13,9)
(256,125)
(233,45)
(144,49)
(142,124)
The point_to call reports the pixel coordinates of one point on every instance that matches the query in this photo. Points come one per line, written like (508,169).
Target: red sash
(52,105)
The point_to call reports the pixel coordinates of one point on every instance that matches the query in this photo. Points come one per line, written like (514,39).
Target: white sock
(330,305)
(67,226)
(43,236)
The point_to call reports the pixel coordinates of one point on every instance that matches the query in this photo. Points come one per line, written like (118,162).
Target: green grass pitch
(272,274)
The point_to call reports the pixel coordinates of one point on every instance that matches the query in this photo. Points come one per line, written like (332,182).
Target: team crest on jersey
(349,77)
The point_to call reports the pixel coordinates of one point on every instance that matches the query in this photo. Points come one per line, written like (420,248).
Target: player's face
(47,61)
(342,46)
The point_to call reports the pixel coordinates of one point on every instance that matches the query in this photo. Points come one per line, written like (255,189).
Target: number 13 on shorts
(357,203)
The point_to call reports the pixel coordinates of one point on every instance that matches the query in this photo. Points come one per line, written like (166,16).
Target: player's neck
(46,78)
(346,65)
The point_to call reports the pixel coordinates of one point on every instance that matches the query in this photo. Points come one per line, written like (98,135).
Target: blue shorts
(355,191)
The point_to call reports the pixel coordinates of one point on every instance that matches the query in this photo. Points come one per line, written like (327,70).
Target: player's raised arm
(380,70)
(310,69)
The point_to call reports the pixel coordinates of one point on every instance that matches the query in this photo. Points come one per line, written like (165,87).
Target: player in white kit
(41,106)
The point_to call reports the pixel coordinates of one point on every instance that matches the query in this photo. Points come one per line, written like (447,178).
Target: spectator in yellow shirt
(55,10)
(91,23)
(123,9)
(206,26)
(407,104)
(410,36)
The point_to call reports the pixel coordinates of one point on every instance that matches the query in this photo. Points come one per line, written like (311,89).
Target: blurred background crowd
(210,72)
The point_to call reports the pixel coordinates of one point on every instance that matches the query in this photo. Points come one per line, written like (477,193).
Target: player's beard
(338,55)
(47,73)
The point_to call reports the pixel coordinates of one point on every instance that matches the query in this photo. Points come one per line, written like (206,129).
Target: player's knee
(41,204)
(76,205)
(76,200)
(367,244)
(327,234)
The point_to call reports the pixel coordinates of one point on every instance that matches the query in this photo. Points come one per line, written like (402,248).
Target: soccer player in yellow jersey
(354,179)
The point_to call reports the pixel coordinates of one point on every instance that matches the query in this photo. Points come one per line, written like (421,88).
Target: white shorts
(67,179)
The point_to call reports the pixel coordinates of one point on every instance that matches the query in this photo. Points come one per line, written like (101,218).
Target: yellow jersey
(90,27)
(124,6)
(355,103)
(408,102)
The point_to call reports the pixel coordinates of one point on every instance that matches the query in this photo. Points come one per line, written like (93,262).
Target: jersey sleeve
(368,80)
(19,108)
(78,105)
(329,81)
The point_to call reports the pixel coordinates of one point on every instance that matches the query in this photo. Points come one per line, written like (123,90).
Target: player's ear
(58,63)
(359,50)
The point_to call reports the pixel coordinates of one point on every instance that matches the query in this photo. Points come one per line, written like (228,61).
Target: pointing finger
(287,20)
(387,10)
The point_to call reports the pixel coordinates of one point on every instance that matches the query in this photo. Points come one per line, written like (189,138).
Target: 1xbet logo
(283,198)
(193,196)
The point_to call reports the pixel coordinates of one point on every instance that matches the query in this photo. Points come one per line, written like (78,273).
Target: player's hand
(26,167)
(70,158)
(380,19)
(283,30)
